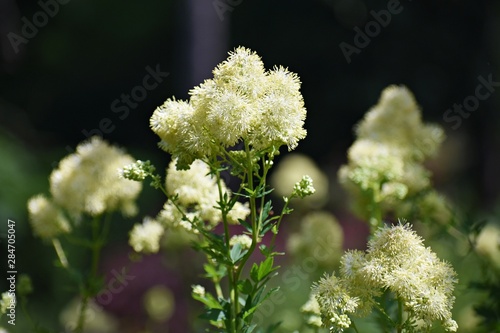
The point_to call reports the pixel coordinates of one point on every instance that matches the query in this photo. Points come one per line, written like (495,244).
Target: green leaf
(237,253)
(258,301)
(215,273)
(265,268)
(271,328)
(246,224)
(213,314)
(208,300)
(249,328)
(254,272)
(245,286)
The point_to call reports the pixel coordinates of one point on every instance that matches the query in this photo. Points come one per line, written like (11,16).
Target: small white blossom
(46,219)
(292,167)
(137,171)
(304,187)
(146,237)
(8,301)
(198,290)
(244,240)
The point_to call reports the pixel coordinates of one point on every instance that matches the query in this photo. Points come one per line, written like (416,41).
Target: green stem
(233,286)
(353,325)
(99,235)
(60,253)
(400,315)
(375,215)
(285,207)
(26,313)
(256,221)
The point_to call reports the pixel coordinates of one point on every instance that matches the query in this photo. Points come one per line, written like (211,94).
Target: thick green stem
(400,315)
(255,220)
(233,283)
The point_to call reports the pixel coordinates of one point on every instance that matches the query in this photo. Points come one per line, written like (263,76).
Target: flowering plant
(222,143)
(235,123)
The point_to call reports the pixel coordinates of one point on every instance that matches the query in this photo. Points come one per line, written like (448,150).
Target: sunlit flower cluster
(243,102)
(397,261)
(385,163)
(88,182)
(197,193)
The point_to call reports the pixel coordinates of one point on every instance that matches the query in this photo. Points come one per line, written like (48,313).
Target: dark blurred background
(68,72)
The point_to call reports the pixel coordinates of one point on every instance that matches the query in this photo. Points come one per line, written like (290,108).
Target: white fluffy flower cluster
(385,163)
(46,219)
(397,261)
(85,182)
(88,181)
(146,237)
(195,196)
(243,102)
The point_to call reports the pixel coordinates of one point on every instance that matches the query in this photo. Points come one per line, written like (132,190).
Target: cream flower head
(47,220)
(243,102)
(385,163)
(146,237)
(396,260)
(196,193)
(88,181)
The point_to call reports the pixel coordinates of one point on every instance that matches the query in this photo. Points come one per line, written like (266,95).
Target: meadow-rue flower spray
(233,124)
(385,169)
(242,103)
(88,181)
(85,189)
(398,264)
